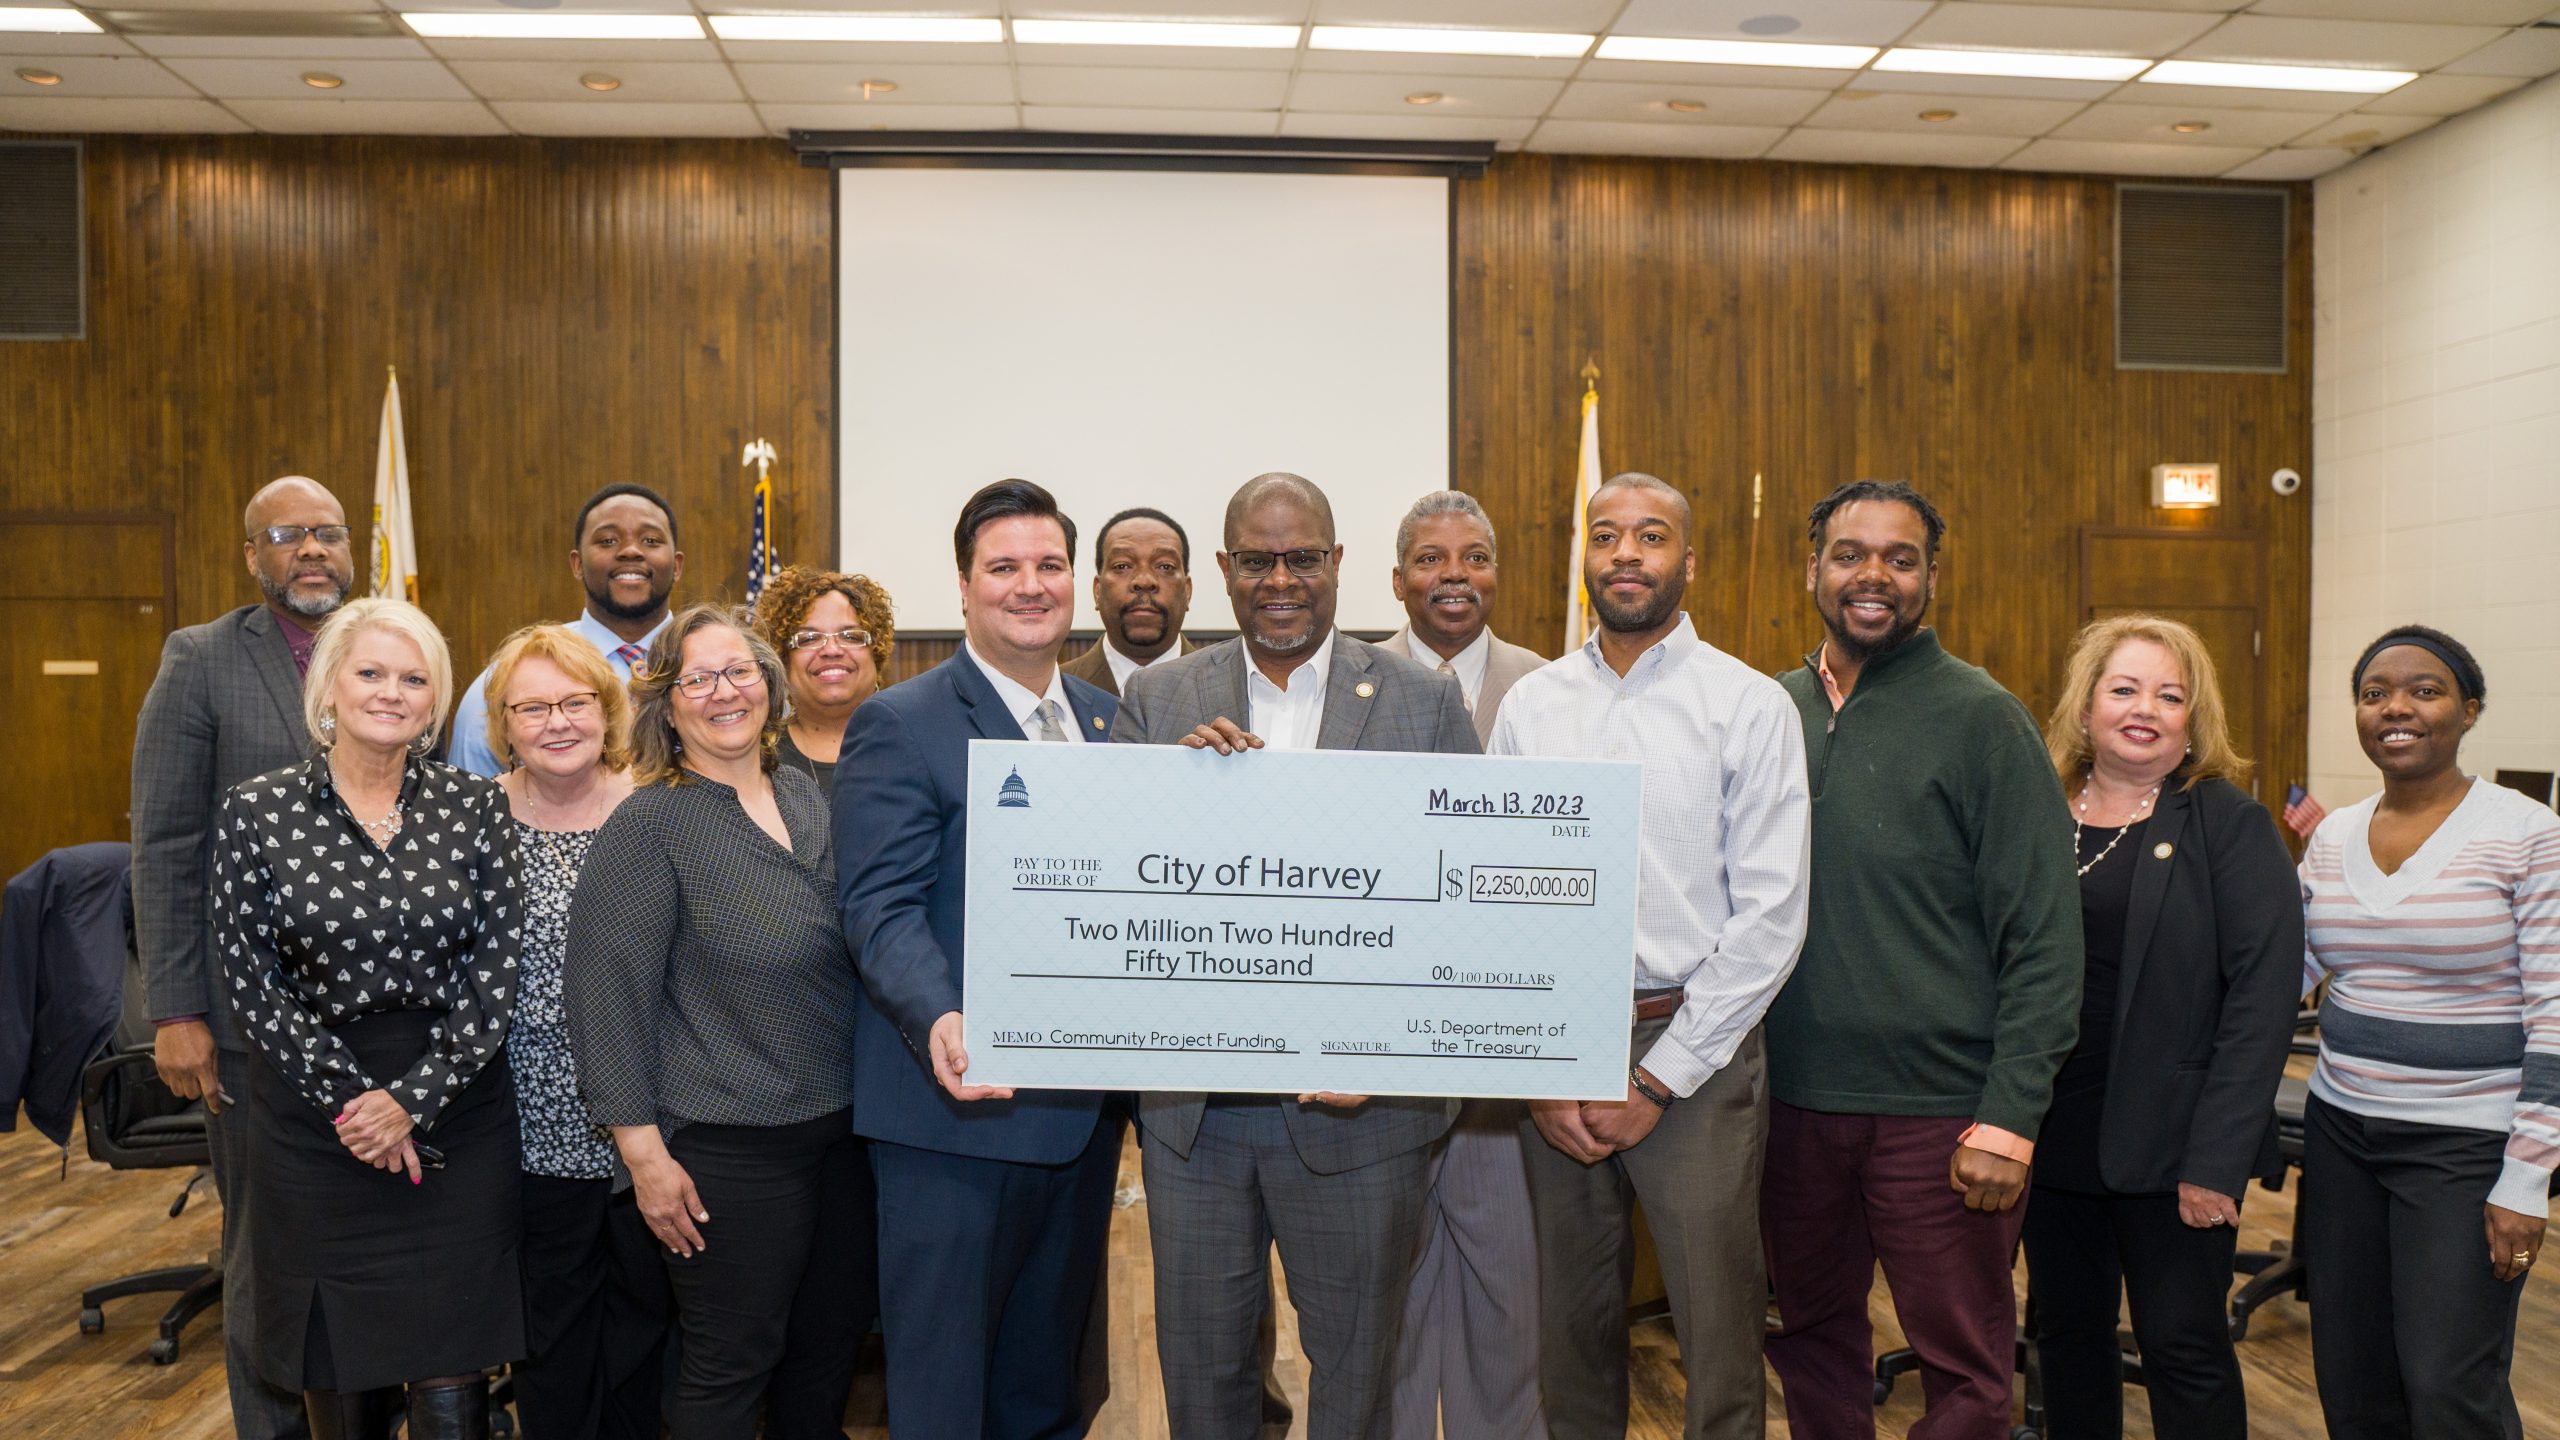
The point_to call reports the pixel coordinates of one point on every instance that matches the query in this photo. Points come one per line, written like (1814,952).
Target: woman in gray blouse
(710,1005)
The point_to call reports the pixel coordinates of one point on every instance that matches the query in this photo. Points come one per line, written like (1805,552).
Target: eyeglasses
(281,536)
(850,637)
(742,676)
(1255,564)
(571,707)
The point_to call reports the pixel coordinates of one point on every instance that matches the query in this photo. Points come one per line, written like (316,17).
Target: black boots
(449,1412)
(351,1414)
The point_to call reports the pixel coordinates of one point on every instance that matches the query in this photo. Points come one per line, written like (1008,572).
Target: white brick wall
(2435,487)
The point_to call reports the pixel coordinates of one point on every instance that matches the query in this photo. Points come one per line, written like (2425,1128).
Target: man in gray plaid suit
(1336,1180)
(227,705)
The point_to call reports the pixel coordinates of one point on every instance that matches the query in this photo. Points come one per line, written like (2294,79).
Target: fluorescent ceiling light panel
(27,19)
(2017,64)
(2277,77)
(1536,44)
(1155,32)
(487,25)
(858,27)
(1735,52)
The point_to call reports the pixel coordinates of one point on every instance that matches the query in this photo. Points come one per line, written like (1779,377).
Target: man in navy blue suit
(994,1208)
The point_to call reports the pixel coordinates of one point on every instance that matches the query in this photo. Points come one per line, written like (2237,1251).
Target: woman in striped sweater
(2433,911)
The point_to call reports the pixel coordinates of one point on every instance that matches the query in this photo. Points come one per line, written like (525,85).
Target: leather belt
(1657,1004)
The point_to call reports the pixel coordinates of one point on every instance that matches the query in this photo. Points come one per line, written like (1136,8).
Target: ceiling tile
(2054,27)
(2149,125)
(502,7)
(2527,54)
(2290,165)
(2007,87)
(1603,137)
(572,117)
(1643,104)
(1818,22)
(298,7)
(2447,12)
(1407,127)
(842,84)
(1860,147)
(24,46)
(101,77)
(2266,39)
(1580,17)
(642,81)
(72,112)
(282,79)
(2194,7)
(370,117)
(2109,158)
(580,51)
(1375,62)
(2363,131)
(1384,94)
(1114,89)
(2309,102)
(1665,72)
(2019,119)
(1112,121)
(890,117)
(2441,95)
(289,47)
(844,52)
(1230,12)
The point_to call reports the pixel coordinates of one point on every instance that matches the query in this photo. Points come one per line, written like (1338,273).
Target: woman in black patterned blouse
(366,912)
(595,1296)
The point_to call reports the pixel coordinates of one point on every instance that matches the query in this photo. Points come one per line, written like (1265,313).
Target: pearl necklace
(2080,814)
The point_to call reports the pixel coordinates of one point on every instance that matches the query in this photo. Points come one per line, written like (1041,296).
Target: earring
(328,727)
(424,744)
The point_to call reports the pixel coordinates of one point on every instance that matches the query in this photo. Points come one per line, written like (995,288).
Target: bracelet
(1660,1100)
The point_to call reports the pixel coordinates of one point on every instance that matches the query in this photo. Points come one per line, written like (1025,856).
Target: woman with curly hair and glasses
(834,633)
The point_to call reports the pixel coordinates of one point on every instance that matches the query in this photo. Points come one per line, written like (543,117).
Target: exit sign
(2186,487)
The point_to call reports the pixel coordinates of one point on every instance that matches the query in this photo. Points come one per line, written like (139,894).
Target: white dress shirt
(1122,667)
(1727,833)
(1022,704)
(470,750)
(1289,719)
(1468,664)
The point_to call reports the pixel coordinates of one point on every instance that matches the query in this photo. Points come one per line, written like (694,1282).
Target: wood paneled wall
(566,314)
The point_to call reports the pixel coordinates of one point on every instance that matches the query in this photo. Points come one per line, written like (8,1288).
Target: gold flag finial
(1590,374)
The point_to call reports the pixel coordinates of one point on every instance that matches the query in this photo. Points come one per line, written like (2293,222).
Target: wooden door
(85,602)
(2212,581)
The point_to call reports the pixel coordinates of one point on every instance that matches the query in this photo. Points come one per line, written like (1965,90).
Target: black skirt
(363,1279)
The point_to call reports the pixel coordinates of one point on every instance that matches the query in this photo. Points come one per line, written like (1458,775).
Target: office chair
(133,1122)
(2281,1271)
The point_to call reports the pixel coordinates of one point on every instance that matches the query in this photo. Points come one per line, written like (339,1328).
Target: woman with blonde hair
(2165,1109)
(366,909)
(595,1296)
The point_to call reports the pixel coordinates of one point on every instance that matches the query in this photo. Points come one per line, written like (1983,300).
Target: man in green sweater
(1912,1054)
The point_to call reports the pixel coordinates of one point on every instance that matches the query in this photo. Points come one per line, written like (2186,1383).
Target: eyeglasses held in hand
(742,676)
(1305,564)
(571,707)
(851,637)
(281,536)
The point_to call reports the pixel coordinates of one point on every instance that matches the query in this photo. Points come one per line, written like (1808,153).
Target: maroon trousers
(1842,1192)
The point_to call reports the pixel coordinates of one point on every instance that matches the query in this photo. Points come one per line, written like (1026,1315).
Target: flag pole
(1751,578)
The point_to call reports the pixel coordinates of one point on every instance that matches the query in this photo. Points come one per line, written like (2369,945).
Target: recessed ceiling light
(1155,32)
(2277,77)
(452,25)
(1534,44)
(1425,97)
(27,19)
(1937,117)
(877,87)
(2192,127)
(894,28)
(1685,107)
(1735,52)
(600,82)
(322,80)
(2025,64)
(34,76)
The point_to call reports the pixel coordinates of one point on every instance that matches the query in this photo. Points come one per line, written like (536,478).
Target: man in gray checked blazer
(227,705)
(1336,1180)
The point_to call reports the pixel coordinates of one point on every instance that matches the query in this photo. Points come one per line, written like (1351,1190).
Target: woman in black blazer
(2165,1109)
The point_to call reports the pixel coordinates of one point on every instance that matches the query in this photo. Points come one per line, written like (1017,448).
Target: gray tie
(1051,730)
(1452,672)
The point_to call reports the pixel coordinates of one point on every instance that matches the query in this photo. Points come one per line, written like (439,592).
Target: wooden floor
(58,1233)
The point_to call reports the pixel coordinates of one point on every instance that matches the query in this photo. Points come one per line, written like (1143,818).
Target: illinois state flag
(1579,622)
(395,540)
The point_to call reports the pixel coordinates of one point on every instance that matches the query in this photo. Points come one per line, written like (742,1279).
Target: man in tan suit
(1142,586)
(1467,1363)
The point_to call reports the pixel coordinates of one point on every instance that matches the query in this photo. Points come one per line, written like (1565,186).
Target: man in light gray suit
(1336,1180)
(1468,1360)
(227,705)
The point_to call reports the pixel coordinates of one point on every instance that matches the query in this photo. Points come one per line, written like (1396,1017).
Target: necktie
(630,656)
(1050,729)
(1452,672)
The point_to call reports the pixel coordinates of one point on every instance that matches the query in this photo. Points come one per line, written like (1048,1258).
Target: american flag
(761,559)
(2302,814)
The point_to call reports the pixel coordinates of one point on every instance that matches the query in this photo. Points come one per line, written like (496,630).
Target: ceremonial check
(1152,917)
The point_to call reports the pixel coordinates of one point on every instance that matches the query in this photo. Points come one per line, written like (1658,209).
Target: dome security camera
(2285,482)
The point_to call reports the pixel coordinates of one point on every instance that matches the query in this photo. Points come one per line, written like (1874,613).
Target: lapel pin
(2162,850)
(1364,689)
(1097,722)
